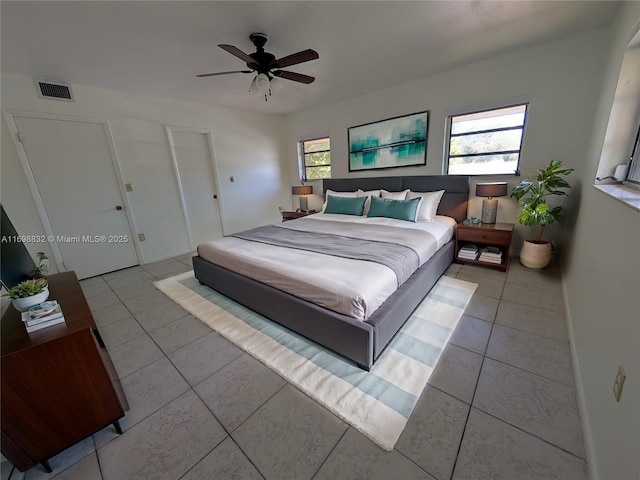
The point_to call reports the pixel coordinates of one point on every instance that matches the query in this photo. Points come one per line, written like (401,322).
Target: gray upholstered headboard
(453,203)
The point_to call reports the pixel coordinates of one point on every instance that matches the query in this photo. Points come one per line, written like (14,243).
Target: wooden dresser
(58,384)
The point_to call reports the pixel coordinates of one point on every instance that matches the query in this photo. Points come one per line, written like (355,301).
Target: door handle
(118,208)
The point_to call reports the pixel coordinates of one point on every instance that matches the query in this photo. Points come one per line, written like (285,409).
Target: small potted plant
(26,294)
(536,212)
(40,271)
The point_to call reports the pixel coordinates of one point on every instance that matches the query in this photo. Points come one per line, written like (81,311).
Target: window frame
(634,163)
(448,156)
(303,158)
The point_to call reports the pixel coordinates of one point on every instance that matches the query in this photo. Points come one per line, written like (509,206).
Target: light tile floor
(501,403)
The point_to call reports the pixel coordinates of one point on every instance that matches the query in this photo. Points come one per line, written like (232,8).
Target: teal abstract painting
(395,142)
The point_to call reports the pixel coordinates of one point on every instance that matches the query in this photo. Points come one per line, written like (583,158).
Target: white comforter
(355,288)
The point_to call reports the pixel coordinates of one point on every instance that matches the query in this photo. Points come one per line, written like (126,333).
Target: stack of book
(468,252)
(491,255)
(42,316)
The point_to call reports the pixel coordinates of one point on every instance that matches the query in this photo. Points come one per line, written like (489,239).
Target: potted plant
(40,270)
(535,211)
(27,294)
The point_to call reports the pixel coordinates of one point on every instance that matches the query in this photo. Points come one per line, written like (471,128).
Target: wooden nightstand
(293,215)
(483,235)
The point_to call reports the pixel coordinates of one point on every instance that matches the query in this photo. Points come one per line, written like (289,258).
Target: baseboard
(592,470)
(166,257)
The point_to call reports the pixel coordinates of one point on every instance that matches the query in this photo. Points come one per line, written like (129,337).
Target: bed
(360,337)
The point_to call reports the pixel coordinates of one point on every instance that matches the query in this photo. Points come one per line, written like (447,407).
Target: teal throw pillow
(345,205)
(399,209)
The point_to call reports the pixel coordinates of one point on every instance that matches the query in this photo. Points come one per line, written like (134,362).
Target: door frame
(213,169)
(9,116)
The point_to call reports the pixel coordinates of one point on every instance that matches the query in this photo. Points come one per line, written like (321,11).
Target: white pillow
(353,194)
(338,194)
(396,195)
(428,205)
(369,194)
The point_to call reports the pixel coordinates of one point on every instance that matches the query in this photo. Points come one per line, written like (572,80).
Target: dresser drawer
(496,237)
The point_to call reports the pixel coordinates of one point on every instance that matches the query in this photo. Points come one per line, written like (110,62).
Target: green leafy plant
(40,270)
(534,210)
(28,288)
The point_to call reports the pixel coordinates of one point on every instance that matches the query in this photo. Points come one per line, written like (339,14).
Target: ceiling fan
(267,66)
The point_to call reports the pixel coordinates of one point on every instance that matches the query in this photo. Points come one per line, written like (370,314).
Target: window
(316,158)
(634,167)
(487,142)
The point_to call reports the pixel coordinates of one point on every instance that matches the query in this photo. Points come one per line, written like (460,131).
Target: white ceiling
(157,48)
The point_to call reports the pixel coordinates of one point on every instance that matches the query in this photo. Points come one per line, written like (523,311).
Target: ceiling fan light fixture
(276,86)
(262,83)
(253,88)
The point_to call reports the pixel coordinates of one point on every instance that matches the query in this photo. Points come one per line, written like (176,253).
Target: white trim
(587,434)
(128,210)
(213,171)
(489,105)
(216,180)
(176,172)
(33,188)
(9,116)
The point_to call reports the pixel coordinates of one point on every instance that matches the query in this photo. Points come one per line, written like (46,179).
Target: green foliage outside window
(317,159)
(486,142)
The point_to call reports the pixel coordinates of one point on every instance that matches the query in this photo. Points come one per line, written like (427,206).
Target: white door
(75,176)
(194,169)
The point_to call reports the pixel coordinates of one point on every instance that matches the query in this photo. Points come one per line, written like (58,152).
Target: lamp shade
(493,189)
(262,83)
(302,190)
(275,85)
(253,88)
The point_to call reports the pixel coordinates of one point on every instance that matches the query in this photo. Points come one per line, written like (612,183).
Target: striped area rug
(376,403)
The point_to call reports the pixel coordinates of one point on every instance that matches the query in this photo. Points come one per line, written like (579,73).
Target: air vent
(54,91)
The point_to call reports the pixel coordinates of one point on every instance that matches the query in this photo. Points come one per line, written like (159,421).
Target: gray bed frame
(359,341)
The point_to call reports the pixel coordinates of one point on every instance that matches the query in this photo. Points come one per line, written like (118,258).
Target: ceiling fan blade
(222,73)
(296,77)
(295,58)
(237,52)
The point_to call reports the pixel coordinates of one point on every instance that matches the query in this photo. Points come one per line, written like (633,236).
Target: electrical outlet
(141,237)
(617,386)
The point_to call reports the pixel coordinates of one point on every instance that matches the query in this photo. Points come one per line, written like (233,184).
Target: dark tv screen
(15,261)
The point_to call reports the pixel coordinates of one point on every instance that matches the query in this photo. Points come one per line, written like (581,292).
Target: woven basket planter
(535,254)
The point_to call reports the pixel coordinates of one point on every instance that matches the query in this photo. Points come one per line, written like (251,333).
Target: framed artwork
(392,143)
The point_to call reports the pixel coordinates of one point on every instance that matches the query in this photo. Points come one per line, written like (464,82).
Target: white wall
(602,287)
(247,146)
(559,79)
(570,85)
